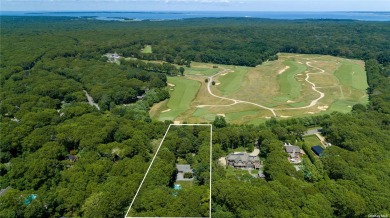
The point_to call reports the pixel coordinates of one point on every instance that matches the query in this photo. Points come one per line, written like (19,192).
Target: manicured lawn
(343,82)
(200,71)
(185,184)
(312,140)
(147,49)
(352,74)
(240,115)
(290,88)
(230,171)
(231,82)
(181,97)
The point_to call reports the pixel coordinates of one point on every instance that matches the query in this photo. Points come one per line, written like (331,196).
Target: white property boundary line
(158,149)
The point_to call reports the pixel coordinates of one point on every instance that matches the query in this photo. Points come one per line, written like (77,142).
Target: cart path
(230,99)
(313,86)
(236,101)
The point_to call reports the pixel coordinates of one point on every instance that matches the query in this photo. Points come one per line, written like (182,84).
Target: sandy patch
(267,117)
(176,122)
(172,89)
(310,112)
(285,116)
(284,69)
(289,101)
(349,106)
(217,84)
(165,110)
(299,74)
(222,115)
(255,152)
(299,62)
(323,108)
(222,74)
(222,161)
(170,84)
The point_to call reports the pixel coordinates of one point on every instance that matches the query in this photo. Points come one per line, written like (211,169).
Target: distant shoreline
(177,15)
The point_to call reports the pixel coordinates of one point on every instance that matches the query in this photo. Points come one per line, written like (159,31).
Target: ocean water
(366,16)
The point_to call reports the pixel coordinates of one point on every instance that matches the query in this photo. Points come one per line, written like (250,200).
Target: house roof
(317,149)
(292,148)
(242,157)
(185,168)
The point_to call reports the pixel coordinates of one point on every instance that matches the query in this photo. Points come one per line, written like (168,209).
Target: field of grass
(290,88)
(182,95)
(147,49)
(312,140)
(201,69)
(231,82)
(279,84)
(185,184)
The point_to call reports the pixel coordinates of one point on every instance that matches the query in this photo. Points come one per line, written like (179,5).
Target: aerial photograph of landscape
(194,108)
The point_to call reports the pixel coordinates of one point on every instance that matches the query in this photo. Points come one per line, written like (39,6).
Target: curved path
(235,101)
(231,99)
(313,86)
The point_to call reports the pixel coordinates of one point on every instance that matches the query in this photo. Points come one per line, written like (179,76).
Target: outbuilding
(317,150)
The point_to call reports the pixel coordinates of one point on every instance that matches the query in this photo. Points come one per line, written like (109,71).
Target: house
(183,169)
(317,150)
(294,153)
(243,160)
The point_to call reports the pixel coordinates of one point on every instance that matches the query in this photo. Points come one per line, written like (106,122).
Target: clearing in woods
(292,86)
(147,49)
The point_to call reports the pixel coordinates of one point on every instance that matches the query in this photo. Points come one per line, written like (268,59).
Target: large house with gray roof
(294,153)
(242,160)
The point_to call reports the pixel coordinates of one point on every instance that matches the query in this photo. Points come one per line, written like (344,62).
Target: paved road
(90,100)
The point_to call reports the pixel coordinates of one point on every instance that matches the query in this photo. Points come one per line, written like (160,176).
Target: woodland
(81,161)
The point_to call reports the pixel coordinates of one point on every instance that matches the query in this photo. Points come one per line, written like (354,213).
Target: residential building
(294,152)
(243,160)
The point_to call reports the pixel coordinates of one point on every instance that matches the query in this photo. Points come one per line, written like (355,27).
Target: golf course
(294,85)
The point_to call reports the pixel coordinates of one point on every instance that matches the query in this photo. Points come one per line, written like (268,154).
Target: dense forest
(62,157)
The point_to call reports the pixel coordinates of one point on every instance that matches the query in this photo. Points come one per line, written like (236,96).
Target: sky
(194,5)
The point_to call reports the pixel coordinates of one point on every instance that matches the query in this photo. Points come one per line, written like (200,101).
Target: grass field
(182,95)
(290,88)
(295,85)
(312,140)
(147,49)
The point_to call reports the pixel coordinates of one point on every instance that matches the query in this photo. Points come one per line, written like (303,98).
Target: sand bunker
(165,110)
(217,84)
(222,115)
(289,101)
(282,70)
(323,108)
(285,116)
(170,84)
(176,122)
(222,74)
(310,112)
